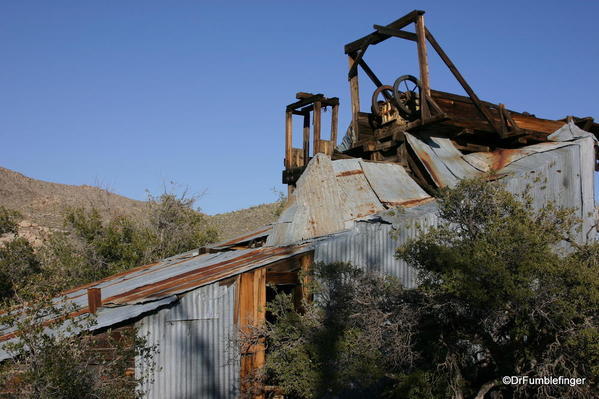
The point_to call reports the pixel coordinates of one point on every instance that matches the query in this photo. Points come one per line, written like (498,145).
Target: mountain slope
(43,205)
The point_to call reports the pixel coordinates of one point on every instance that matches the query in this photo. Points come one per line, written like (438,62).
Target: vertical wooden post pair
(250,312)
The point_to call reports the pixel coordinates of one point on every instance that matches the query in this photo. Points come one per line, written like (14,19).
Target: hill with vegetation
(44,204)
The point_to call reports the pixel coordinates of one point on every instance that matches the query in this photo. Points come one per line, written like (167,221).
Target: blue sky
(132,95)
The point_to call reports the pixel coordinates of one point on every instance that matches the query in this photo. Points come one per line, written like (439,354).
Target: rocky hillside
(43,205)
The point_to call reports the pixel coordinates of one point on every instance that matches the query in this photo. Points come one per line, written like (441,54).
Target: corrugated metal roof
(146,288)
(330,195)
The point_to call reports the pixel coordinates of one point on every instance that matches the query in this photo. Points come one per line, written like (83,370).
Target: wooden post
(355,99)
(306,263)
(306,137)
(317,116)
(334,123)
(423,61)
(288,138)
(251,305)
(94,299)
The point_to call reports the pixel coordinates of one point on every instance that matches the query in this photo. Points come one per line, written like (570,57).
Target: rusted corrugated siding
(372,245)
(196,356)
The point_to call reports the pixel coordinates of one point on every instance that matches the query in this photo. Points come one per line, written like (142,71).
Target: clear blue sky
(133,94)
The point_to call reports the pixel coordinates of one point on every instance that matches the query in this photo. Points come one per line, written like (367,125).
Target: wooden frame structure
(471,124)
(308,105)
(356,50)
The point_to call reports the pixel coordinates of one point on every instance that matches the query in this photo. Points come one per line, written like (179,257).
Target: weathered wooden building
(342,207)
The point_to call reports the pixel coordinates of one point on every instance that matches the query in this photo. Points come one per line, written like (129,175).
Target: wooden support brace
(454,70)
(395,32)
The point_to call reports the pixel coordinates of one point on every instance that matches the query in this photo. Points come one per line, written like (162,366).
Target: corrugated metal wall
(372,245)
(196,356)
(563,176)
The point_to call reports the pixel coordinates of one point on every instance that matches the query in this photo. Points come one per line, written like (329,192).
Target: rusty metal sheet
(392,185)
(501,158)
(360,198)
(317,206)
(245,238)
(443,162)
(142,289)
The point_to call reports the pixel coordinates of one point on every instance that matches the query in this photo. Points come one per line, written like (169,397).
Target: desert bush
(55,358)
(91,249)
(18,263)
(9,220)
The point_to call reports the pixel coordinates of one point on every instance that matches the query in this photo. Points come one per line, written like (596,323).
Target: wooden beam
(306,137)
(305,101)
(288,137)
(395,32)
(454,70)
(370,74)
(353,69)
(317,119)
(334,123)
(355,100)
(376,37)
(423,63)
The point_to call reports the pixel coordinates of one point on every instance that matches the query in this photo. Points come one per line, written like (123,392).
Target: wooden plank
(326,147)
(288,138)
(355,100)
(395,32)
(463,113)
(377,37)
(282,278)
(317,119)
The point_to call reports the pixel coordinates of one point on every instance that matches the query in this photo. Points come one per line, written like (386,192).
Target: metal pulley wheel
(408,101)
(376,109)
(376,117)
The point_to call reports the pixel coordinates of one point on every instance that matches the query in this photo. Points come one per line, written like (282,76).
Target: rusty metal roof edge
(263,231)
